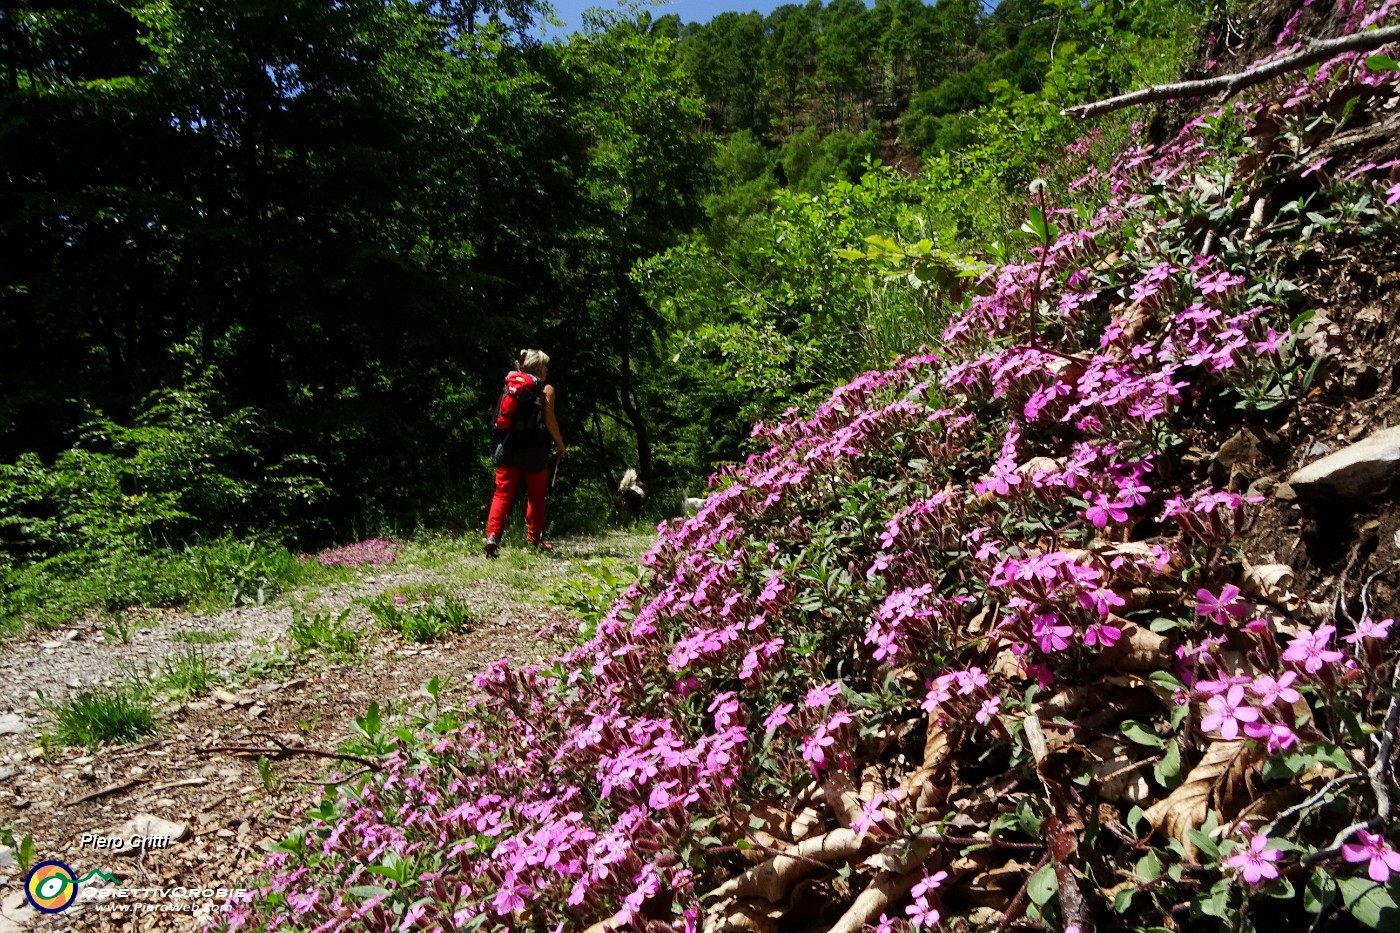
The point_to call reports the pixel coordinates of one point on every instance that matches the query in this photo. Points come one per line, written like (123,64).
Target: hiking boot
(492,545)
(542,545)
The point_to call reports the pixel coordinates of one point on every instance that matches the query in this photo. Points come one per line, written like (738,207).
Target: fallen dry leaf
(1216,779)
(774,878)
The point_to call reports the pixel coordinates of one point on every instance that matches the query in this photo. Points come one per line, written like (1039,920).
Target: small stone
(1263,486)
(256,712)
(10,724)
(7,858)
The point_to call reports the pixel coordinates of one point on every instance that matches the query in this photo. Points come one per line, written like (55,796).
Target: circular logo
(51,887)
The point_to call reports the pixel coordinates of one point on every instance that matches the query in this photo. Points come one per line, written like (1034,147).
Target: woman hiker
(525,425)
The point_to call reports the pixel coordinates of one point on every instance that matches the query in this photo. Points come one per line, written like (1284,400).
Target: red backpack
(519,407)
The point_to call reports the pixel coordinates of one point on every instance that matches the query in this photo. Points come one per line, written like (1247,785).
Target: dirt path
(228,809)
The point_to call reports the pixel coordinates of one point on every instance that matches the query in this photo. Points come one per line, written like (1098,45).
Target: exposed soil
(231,813)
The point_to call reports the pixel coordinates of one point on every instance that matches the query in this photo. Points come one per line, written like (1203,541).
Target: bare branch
(283,750)
(107,791)
(1258,74)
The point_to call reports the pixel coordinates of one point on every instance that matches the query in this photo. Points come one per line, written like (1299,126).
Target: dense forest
(263,266)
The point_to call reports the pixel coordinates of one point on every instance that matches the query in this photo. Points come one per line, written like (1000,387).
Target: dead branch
(106,791)
(283,750)
(1230,84)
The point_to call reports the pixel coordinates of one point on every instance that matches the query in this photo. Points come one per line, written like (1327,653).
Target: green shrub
(331,636)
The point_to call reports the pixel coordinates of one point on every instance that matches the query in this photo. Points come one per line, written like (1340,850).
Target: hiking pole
(557,460)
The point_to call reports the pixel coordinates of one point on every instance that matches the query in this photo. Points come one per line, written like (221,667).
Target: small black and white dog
(628,499)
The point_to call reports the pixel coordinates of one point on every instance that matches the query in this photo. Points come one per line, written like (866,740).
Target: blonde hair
(532,362)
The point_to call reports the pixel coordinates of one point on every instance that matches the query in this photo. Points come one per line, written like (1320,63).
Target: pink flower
(822,695)
(1373,849)
(1271,342)
(1310,649)
(1049,636)
(1104,511)
(1369,628)
(1102,634)
(1228,712)
(1315,167)
(1254,861)
(1220,609)
(988,710)
(921,914)
(1281,737)
(1270,691)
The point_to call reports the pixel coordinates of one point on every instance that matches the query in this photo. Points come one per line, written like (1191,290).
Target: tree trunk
(626,390)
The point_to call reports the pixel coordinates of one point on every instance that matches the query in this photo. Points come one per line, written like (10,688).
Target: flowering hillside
(972,641)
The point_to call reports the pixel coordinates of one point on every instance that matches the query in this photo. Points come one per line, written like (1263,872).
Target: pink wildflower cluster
(374,552)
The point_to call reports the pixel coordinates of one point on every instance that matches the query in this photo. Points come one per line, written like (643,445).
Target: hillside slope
(1044,629)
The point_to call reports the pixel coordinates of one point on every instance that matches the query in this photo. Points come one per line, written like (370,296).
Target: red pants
(507,481)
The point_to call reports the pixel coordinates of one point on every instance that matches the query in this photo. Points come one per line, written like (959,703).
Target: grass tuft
(203,637)
(114,717)
(186,675)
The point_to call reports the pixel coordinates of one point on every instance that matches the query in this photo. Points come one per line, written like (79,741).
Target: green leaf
(1217,903)
(368,891)
(1319,892)
(1166,680)
(1043,885)
(1141,734)
(1371,903)
(1168,770)
(1149,867)
(1379,62)
(1330,754)
(1035,225)
(1123,900)
(1207,845)
(1135,818)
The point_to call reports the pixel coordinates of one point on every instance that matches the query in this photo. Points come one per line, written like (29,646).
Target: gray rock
(1263,486)
(1354,472)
